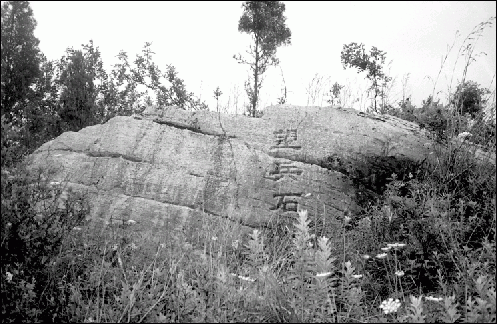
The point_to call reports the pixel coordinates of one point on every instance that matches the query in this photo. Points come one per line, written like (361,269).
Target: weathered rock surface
(169,167)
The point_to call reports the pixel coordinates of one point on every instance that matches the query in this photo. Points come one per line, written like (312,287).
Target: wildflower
(323,274)
(357,276)
(76,228)
(133,246)
(396,245)
(214,238)
(410,175)
(394,176)
(163,245)
(131,222)
(54,183)
(325,239)
(246,278)
(234,244)
(221,275)
(399,273)
(307,194)
(381,255)
(9,276)
(9,224)
(114,247)
(365,256)
(347,220)
(463,135)
(303,213)
(386,249)
(437,299)
(390,305)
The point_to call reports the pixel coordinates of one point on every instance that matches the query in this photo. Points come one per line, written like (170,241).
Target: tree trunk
(256,77)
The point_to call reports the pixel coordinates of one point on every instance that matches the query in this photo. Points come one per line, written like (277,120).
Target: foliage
(79,73)
(36,219)
(123,93)
(266,22)
(335,93)
(470,98)
(354,55)
(20,55)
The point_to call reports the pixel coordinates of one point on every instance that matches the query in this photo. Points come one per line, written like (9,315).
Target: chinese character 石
(286,201)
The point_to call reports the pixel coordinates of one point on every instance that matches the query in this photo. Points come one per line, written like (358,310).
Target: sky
(200,38)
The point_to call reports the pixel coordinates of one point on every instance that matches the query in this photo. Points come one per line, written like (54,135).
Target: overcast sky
(200,39)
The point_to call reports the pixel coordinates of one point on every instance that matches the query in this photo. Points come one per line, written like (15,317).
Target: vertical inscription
(281,169)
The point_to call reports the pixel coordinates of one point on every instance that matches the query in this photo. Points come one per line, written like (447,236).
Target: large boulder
(172,167)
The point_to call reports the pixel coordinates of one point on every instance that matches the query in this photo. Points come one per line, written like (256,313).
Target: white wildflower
(358,276)
(437,299)
(396,245)
(214,238)
(131,222)
(399,273)
(323,274)
(386,249)
(235,243)
(464,135)
(381,255)
(246,278)
(76,228)
(365,256)
(9,276)
(390,305)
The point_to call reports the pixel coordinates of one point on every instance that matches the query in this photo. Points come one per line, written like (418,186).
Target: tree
(335,93)
(266,22)
(126,79)
(469,98)
(79,72)
(20,55)
(354,55)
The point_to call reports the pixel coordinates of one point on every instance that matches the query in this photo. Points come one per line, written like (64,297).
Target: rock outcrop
(172,167)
